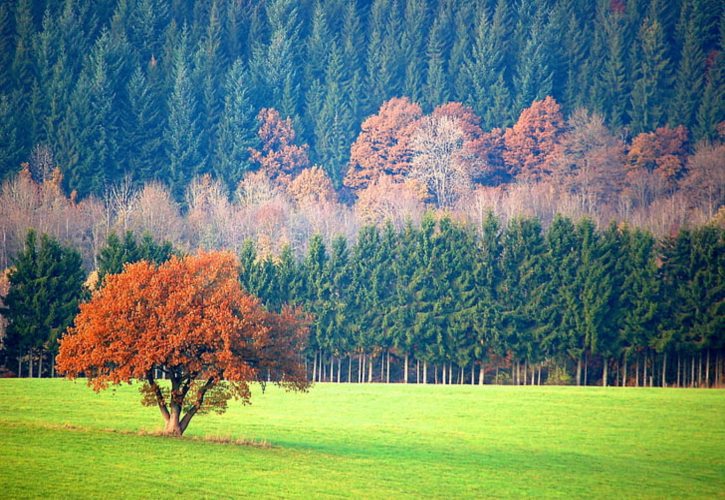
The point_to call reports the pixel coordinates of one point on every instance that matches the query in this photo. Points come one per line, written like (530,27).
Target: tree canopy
(189,319)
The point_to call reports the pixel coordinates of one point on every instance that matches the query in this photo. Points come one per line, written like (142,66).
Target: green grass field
(60,439)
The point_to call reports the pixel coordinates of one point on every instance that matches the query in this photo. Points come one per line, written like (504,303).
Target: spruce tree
(182,136)
(652,79)
(46,287)
(236,130)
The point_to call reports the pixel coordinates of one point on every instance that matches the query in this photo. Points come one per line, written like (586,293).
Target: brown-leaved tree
(190,320)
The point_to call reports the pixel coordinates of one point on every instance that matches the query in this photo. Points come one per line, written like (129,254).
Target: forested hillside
(450,185)
(162,89)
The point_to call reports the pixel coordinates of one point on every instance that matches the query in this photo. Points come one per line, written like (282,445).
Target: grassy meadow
(60,439)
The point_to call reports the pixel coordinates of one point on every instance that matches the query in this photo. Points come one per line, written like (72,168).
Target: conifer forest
(451,191)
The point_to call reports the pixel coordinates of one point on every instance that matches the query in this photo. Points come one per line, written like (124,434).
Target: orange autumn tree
(382,148)
(279,156)
(531,143)
(190,320)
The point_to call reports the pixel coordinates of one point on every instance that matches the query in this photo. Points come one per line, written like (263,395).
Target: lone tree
(189,319)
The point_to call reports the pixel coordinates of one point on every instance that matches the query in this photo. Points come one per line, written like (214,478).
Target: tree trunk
(314,368)
(387,368)
(679,371)
(578,371)
(40,365)
(692,371)
(538,377)
(624,372)
(417,371)
(405,370)
(604,373)
(370,369)
(30,365)
(586,369)
(481,374)
(473,373)
(339,369)
(52,367)
(349,369)
(644,381)
(664,370)
(425,372)
(616,371)
(699,370)
(20,366)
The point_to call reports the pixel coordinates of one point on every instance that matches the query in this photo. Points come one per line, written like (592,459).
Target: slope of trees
(168,90)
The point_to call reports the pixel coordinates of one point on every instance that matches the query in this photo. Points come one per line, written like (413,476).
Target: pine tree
(712,105)
(334,124)
(182,136)
(534,75)
(486,65)
(412,47)
(236,130)
(208,68)
(143,128)
(689,77)
(10,152)
(652,80)
(46,287)
(435,91)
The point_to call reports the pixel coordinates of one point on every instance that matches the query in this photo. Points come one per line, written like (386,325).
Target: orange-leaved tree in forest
(382,147)
(279,157)
(532,141)
(190,320)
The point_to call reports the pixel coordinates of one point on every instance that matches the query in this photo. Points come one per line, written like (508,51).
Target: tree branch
(159,395)
(199,401)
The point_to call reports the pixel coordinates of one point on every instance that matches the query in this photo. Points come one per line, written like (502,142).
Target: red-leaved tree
(382,148)
(532,141)
(190,320)
(279,156)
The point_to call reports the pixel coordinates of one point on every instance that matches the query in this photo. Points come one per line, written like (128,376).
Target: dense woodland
(456,190)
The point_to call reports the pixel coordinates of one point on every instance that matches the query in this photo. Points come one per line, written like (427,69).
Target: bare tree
(438,161)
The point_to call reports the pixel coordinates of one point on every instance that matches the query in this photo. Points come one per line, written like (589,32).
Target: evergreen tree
(652,80)
(144,126)
(534,75)
(10,153)
(236,130)
(435,91)
(689,77)
(412,46)
(182,136)
(46,287)
(712,104)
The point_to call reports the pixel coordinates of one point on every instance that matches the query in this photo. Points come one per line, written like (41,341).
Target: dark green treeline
(170,89)
(444,302)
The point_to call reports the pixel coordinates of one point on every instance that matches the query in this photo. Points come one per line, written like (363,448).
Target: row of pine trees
(446,302)
(164,89)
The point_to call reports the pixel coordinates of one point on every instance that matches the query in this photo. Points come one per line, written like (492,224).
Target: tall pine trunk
(604,373)
(405,370)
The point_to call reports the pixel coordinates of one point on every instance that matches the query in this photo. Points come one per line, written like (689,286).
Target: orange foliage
(465,118)
(531,142)
(189,319)
(662,151)
(382,146)
(312,186)
(280,158)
